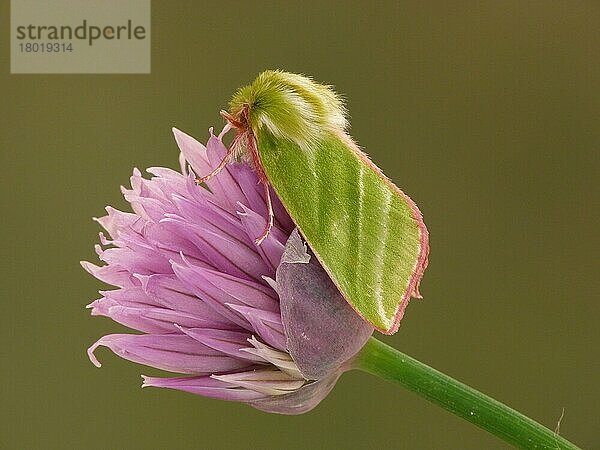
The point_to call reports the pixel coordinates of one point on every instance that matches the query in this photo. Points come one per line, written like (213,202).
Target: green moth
(367,234)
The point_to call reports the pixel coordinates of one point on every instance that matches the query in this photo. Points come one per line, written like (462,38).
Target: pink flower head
(260,324)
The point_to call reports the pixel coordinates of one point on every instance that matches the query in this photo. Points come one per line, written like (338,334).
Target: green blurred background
(486,113)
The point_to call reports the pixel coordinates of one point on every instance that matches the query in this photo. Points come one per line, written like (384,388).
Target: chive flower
(233,320)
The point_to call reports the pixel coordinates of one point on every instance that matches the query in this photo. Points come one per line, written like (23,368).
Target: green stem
(388,363)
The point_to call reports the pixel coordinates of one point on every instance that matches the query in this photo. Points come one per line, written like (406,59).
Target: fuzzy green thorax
(290,106)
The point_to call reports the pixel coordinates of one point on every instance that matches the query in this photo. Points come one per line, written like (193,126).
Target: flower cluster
(260,324)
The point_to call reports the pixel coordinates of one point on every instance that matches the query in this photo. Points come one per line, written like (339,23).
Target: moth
(367,234)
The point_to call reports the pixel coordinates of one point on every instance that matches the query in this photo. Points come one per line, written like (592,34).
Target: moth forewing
(367,234)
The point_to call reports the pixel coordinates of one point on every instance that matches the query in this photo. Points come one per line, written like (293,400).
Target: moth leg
(232,120)
(221,166)
(259,240)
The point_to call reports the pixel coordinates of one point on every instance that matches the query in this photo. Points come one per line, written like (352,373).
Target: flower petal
(112,274)
(217,289)
(272,247)
(280,359)
(216,219)
(169,242)
(134,296)
(146,319)
(229,188)
(193,151)
(266,324)
(168,292)
(135,261)
(115,222)
(265,381)
(225,341)
(205,386)
(171,352)
(225,253)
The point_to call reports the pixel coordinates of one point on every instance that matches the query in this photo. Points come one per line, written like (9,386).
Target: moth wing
(367,234)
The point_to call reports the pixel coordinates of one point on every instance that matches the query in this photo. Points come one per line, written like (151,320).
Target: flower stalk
(513,427)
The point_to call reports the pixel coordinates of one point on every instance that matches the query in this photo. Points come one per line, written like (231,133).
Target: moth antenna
(259,240)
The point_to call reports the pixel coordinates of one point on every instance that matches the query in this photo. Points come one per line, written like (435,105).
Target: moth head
(289,106)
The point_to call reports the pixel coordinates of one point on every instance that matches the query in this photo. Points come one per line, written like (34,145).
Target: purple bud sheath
(322,329)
